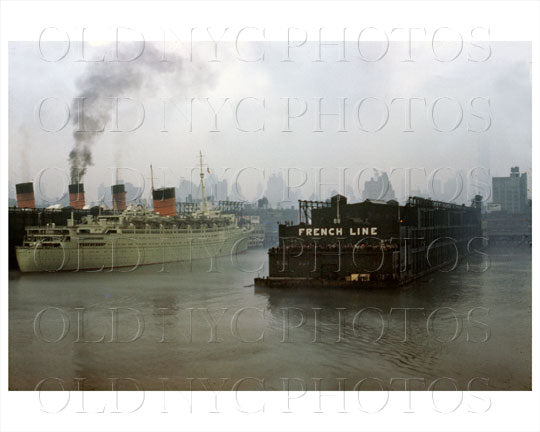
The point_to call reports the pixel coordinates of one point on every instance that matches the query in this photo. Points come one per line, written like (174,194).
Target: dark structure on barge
(372,243)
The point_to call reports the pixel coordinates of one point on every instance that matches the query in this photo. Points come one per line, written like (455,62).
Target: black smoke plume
(92,109)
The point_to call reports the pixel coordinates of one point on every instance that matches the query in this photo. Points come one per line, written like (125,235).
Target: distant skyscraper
(236,193)
(133,193)
(186,191)
(511,192)
(259,190)
(379,188)
(349,193)
(104,196)
(278,194)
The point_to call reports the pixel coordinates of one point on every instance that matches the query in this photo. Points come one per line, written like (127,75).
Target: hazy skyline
(164,89)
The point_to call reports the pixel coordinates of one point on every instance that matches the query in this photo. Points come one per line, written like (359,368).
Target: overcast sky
(494,133)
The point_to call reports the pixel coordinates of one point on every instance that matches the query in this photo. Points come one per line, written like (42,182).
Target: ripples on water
(181,304)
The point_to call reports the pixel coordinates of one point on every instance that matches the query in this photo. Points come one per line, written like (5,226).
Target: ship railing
(172,230)
(46,228)
(44,238)
(44,234)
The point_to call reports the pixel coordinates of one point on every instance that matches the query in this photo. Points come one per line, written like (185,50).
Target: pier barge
(372,243)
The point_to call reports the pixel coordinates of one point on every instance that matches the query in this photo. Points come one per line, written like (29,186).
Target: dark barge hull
(276,282)
(303,282)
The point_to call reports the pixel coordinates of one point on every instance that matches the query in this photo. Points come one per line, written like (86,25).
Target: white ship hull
(132,251)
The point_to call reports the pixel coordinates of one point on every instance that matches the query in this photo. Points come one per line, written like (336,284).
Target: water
(472,328)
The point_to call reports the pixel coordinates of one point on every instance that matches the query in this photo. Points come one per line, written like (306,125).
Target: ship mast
(203,191)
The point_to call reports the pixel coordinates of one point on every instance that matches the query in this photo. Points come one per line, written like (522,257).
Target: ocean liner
(132,236)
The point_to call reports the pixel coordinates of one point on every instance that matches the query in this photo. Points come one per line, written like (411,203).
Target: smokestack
(118,197)
(25,195)
(164,201)
(76,195)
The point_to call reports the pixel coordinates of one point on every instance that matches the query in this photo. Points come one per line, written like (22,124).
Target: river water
(183,327)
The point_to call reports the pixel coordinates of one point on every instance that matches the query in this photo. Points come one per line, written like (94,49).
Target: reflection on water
(185,324)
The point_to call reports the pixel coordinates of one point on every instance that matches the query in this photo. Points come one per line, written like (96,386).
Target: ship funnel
(76,195)
(118,197)
(164,201)
(25,195)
